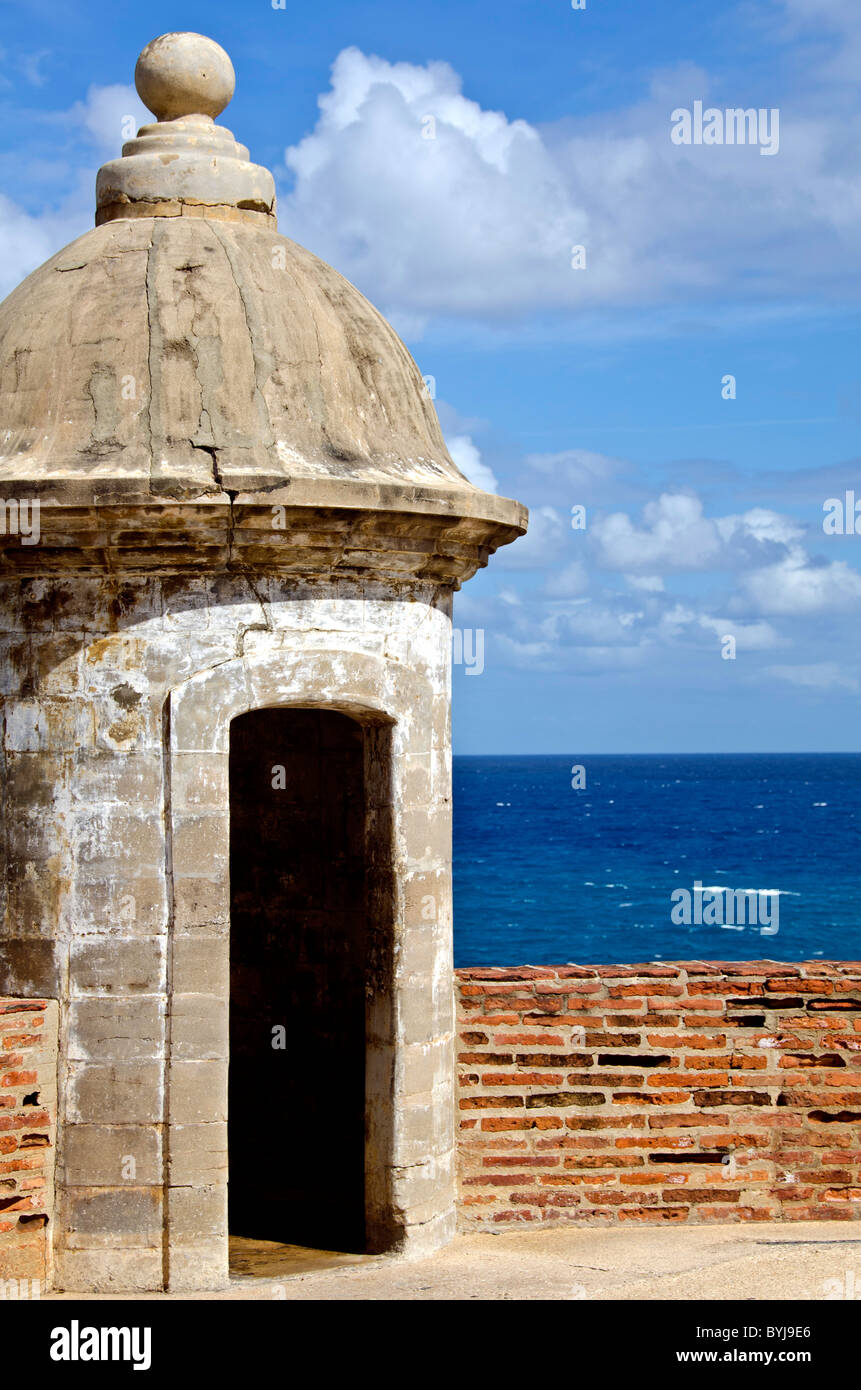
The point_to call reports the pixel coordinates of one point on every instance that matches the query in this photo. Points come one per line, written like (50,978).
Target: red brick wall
(688,1092)
(28,1109)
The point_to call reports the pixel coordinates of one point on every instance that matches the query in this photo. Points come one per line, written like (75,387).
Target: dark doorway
(296,1089)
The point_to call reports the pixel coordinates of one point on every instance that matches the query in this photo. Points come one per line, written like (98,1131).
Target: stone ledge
(351,530)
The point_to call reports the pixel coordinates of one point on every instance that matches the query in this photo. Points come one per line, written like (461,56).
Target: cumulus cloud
(593,623)
(435,205)
(97,126)
(761,524)
(25,242)
(110,116)
(428,223)
(799,585)
(750,637)
(675,535)
(468,459)
(612,587)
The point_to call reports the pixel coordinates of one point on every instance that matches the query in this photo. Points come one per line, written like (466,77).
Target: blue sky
(599,386)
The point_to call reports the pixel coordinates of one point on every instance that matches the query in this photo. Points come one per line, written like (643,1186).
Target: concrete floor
(808,1261)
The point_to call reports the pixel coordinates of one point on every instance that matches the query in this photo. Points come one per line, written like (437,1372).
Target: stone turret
(226,685)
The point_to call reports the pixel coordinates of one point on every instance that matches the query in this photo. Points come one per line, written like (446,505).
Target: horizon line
(684,753)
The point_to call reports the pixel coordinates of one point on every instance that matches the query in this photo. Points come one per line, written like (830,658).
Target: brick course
(28,1113)
(689,1091)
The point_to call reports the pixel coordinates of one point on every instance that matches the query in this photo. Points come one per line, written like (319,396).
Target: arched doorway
(299,967)
(409,1054)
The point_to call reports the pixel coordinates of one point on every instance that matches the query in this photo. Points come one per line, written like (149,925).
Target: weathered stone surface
(198,1154)
(120,1093)
(29,968)
(289,375)
(183,74)
(106,965)
(119,1030)
(113,1156)
(199,1024)
(198,1091)
(112,1218)
(197,1214)
(111,1271)
(246,506)
(184,165)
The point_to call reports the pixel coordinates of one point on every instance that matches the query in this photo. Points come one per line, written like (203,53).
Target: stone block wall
(28,1126)
(683,1092)
(116,699)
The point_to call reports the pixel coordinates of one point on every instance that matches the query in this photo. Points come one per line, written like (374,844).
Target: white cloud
(676,535)
(761,524)
(596,625)
(468,459)
(26,240)
(751,637)
(480,220)
(542,547)
(110,116)
(796,585)
(427,223)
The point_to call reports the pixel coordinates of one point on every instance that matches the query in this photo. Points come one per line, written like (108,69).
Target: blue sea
(545,874)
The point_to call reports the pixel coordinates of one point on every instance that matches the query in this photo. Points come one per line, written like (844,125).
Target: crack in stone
(268,627)
(256,335)
(230,493)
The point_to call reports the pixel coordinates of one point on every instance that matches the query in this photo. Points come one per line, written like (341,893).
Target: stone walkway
(807,1260)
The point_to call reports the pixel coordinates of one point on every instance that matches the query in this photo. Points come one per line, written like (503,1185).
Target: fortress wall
(28,1119)
(690,1092)
(683,1092)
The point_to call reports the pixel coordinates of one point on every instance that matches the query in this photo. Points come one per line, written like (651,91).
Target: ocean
(546,874)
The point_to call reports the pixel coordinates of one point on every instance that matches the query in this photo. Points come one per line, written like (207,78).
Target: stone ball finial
(184,75)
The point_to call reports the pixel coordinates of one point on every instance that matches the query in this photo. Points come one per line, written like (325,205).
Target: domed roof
(183,352)
(179,356)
